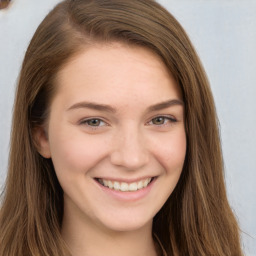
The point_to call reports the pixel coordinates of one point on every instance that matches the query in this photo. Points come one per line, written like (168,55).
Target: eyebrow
(108,108)
(92,105)
(166,104)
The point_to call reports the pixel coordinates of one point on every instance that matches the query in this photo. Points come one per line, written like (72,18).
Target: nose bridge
(130,149)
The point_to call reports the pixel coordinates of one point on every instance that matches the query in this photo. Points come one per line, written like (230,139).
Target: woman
(115,146)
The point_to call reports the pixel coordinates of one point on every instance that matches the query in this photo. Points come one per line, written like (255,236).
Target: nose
(130,150)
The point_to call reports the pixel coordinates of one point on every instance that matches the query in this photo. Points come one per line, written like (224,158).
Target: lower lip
(128,196)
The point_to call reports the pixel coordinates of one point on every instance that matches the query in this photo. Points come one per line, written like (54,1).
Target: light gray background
(224,34)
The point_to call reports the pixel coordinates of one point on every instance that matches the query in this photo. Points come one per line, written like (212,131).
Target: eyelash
(168,120)
(86,122)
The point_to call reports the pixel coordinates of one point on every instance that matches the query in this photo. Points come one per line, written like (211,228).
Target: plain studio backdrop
(224,34)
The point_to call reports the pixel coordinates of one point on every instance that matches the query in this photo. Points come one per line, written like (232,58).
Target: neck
(85,238)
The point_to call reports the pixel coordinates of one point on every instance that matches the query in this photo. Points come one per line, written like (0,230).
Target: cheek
(171,151)
(76,153)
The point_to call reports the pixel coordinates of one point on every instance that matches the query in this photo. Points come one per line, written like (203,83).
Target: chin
(129,221)
(128,226)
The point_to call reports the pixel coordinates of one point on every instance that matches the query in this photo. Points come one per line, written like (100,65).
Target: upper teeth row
(123,186)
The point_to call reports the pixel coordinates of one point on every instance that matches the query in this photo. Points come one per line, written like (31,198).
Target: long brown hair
(196,219)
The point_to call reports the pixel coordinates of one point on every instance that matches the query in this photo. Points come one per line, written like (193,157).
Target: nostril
(4,4)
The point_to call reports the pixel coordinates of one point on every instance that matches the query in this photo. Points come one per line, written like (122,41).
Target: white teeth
(140,184)
(110,184)
(123,186)
(116,185)
(133,186)
(145,183)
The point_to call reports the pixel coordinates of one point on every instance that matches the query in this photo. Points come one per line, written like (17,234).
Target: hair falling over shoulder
(196,219)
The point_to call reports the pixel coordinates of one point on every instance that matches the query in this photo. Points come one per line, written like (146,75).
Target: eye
(93,122)
(162,120)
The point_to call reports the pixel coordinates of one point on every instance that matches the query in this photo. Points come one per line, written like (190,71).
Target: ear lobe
(41,141)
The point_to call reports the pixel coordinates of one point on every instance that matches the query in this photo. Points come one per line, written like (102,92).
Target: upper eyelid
(165,116)
(92,118)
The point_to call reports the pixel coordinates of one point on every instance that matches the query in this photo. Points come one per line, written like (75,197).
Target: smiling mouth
(125,187)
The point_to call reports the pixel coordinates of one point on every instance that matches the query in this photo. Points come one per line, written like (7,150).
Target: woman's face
(116,136)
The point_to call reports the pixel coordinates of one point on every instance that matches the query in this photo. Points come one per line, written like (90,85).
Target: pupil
(94,122)
(158,120)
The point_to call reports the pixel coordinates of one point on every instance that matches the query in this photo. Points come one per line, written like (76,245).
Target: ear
(41,141)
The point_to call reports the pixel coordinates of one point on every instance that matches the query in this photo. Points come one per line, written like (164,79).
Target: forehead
(115,70)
